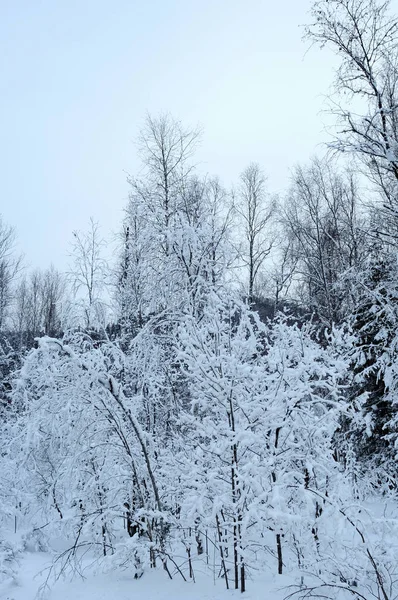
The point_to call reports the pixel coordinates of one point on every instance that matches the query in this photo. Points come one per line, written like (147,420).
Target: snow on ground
(154,585)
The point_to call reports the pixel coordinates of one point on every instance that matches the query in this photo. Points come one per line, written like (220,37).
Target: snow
(154,585)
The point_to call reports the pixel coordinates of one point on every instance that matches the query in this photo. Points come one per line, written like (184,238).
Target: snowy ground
(154,585)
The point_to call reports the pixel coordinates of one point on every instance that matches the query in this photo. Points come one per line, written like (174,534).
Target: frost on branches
(212,431)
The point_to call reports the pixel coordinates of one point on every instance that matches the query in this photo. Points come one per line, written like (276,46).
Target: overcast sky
(78,76)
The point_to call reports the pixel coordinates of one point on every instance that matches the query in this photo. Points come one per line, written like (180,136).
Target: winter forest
(216,406)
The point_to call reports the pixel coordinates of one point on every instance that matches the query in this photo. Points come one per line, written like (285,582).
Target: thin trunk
(221,546)
(279,552)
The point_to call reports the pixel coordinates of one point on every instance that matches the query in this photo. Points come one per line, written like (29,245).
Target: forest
(218,397)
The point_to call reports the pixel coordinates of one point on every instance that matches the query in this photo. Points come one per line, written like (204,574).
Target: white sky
(77,77)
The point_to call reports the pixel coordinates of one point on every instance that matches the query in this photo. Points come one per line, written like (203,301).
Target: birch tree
(88,273)
(255,209)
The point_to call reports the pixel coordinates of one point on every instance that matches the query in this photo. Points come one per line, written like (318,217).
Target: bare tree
(165,148)
(219,218)
(21,310)
(35,303)
(89,269)
(326,234)
(255,209)
(38,305)
(365,36)
(27,313)
(281,276)
(52,293)
(10,265)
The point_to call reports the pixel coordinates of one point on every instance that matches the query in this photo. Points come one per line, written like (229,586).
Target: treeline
(224,394)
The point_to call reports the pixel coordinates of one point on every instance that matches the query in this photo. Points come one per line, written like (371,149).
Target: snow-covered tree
(264,408)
